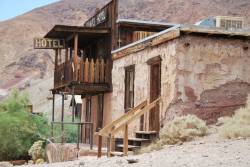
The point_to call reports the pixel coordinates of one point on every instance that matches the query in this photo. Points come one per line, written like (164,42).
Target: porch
(83,66)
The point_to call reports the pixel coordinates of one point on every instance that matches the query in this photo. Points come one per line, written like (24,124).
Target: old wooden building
(134,75)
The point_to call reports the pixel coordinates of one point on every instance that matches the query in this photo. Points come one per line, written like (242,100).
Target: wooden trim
(154,60)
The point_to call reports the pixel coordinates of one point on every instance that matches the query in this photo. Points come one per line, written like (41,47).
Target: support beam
(56,58)
(62,118)
(53,118)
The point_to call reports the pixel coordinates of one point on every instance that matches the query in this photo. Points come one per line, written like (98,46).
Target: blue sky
(12,8)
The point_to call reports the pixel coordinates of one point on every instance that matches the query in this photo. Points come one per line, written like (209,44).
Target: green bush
(18,128)
(70,132)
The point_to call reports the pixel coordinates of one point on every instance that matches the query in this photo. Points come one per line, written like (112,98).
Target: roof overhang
(63,31)
(85,34)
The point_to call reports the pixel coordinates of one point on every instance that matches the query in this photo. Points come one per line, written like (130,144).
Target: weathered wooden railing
(87,71)
(122,123)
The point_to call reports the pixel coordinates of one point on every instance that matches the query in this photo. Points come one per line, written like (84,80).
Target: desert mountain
(24,67)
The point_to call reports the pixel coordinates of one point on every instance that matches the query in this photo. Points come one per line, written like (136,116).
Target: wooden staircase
(142,138)
(122,146)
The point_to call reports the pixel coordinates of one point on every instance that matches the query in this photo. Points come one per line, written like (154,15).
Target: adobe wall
(203,75)
(213,76)
(167,52)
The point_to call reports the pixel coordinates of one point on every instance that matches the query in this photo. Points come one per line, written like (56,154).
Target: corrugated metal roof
(143,22)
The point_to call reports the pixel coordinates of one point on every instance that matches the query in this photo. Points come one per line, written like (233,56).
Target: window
(129,87)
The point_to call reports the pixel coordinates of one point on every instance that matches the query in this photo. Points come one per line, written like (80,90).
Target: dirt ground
(209,151)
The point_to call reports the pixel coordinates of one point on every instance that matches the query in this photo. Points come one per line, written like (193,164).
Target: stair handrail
(106,130)
(122,122)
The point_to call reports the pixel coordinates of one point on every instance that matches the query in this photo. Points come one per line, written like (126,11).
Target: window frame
(128,93)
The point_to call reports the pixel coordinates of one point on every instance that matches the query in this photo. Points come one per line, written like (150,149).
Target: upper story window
(129,87)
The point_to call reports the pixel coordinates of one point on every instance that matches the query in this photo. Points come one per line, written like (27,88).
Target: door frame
(154,124)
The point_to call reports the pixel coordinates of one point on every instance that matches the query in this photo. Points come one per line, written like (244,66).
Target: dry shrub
(238,125)
(181,129)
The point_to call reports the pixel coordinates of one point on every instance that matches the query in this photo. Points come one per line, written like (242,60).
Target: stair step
(129,146)
(146,132)
(135,139)
(116,153)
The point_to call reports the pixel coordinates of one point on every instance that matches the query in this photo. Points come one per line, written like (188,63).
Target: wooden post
(78,136)
(125,140)
(75,56)
(56,58)
(60,56)
(62,118)
(53,118)
(99,146)
(91,136)
(73,104)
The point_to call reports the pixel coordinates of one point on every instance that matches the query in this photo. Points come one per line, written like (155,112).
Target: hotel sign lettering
(99,18)
(48,43)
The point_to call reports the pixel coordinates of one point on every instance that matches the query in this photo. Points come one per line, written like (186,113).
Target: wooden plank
(92,71)
(166,37)
(97,71)
(102,69)
(75,56)
(81,77)
(86,71)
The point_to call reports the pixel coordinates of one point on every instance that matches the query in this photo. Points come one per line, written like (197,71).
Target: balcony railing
(86,71)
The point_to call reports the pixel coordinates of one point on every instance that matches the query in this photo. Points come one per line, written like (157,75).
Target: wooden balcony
(88,76)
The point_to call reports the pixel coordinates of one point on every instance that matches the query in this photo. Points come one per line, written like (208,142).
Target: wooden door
(155,89)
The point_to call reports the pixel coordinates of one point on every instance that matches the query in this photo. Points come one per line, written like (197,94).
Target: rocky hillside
(24,67)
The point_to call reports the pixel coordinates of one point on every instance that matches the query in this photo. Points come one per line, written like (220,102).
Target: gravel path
(207,152)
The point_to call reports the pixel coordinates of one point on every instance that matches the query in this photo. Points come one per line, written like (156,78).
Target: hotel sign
(48,43)
(99,18)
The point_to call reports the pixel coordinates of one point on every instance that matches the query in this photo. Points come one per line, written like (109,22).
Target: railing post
(99,146)
(125,140)
(92,137)
(78,136)
(108,146)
